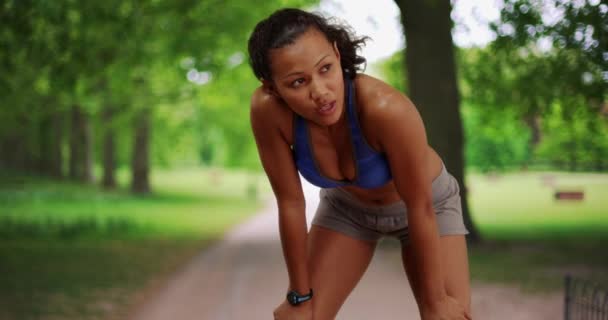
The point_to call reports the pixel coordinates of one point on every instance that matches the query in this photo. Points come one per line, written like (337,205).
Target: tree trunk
(50,145)
(81,147)
(13,152)
(87,147)
(25,157)
(4,159)
(109,153)
(56,154)
(433,87)
(140,158)
(533,122)
(75,152)
(44,145)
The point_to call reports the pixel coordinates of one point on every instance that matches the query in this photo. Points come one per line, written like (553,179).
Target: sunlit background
(125,144)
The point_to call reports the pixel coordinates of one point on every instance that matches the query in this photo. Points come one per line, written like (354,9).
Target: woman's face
(307,75)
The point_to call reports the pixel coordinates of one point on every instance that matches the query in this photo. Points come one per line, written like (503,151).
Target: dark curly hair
(284,26)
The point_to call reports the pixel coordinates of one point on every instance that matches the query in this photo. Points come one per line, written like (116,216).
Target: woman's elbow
(422,208)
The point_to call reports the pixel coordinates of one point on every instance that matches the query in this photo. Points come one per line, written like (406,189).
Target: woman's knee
(454,266)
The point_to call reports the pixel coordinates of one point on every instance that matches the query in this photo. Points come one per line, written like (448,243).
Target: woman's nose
(318,91)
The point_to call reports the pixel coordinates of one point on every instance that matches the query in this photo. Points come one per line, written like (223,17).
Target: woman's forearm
(424,239)
(294,235)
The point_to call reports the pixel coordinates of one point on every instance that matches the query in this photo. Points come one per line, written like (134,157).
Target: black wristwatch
(294,298)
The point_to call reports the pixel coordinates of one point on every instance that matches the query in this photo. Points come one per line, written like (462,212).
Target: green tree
(539,65)
(105,81)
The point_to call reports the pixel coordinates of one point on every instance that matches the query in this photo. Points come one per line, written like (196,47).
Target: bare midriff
(388,194)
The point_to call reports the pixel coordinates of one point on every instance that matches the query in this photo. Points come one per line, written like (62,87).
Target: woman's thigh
(454,265)
(337,262)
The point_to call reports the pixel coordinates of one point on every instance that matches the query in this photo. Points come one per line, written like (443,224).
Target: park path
(243,277)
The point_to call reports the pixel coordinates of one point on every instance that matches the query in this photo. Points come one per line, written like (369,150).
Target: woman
(364,144)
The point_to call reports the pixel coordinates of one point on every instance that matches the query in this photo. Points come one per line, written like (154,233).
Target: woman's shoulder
(379,105)
(262,101)
(365,81)
(271,112)
(376,99)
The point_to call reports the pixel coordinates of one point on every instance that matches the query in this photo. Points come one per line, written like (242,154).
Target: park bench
(584,300)
(569,195)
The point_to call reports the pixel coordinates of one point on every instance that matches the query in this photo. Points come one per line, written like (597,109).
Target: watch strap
(296,298)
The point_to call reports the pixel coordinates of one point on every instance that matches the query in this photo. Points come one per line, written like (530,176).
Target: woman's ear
(269,87)
(336,50)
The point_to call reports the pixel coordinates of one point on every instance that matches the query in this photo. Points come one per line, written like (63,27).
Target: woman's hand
(447,309)
(285,311)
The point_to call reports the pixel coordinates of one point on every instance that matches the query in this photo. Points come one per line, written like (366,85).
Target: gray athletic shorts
(340,211)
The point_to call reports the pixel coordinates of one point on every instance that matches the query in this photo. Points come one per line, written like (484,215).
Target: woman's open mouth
(327,109)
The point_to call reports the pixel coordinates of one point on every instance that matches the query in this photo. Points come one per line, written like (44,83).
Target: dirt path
(243,277)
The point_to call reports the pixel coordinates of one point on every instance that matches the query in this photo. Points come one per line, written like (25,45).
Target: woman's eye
(296,83)
(326,68)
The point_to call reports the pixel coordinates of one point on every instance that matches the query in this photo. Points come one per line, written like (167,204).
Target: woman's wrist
(430,305)
(303,289)
(300,282)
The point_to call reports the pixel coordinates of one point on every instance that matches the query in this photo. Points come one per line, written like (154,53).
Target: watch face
(292,298)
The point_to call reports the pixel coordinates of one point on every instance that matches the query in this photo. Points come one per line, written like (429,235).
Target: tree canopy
(80,80)
(536,95)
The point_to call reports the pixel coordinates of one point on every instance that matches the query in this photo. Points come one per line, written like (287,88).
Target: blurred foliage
(494,143)
(536,95)
(183,61)
(393,70)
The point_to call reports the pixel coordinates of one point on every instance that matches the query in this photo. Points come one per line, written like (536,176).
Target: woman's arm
(402,137)
(275,153)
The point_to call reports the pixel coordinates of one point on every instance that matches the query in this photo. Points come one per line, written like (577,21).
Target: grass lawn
(83,279)
(69,251)
(74,252)
(532,240)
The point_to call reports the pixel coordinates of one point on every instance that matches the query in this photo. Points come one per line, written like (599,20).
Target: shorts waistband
(343,198)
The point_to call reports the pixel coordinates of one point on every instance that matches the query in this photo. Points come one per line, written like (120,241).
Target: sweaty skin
(308,80)
(330,136)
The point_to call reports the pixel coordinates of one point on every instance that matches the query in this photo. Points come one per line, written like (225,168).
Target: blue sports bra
(371,167)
